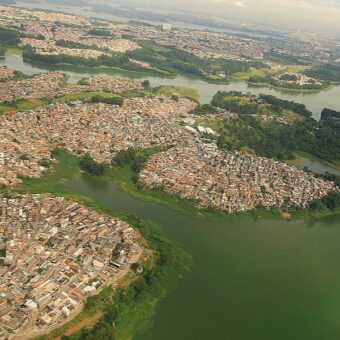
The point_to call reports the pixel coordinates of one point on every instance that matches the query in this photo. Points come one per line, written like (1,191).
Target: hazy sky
(312,15)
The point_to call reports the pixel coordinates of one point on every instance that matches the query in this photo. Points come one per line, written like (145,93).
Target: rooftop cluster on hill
(101,130)
(231,181)
(55,254)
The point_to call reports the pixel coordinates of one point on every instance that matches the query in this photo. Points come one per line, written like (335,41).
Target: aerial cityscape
(167,172)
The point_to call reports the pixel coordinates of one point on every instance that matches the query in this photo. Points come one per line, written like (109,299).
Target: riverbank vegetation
(290,82)
(8,38)
(130,307)
(251,131)
(122,313)
(329,72)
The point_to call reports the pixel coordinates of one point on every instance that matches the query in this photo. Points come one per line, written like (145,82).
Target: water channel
(315,102)
(252,280)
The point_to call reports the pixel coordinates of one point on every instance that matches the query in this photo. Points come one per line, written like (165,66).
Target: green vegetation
(174,61)
(19,76)
(269,139)
(40,37)
(279,104)
(92,167)
(13,51)
(23,105)
(253,72)
(135,159)
(279,141)
(97,97)
(170,91)
(108,99)
(117,60)
(236,102)
(72,44)
(285,59)
(65,168)
(152,59)
(205,109)
(99,32)
(9,37)
(130,307)
(327,72)
(331,119)
(288,81)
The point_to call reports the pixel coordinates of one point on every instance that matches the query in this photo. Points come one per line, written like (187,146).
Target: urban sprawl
(58,253)
(55,253)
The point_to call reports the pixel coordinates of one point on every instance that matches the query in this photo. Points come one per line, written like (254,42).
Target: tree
(146,84)
(92,167)
(9,37)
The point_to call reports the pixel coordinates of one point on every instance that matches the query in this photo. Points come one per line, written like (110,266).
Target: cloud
(320,16)
(237,3)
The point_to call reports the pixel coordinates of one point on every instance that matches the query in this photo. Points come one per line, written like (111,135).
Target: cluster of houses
(49,48)
(45,36)
(43,85)
(16,17)
(112,84)
(50,85)
(50,27)
(205,44)
(6,73)
(296,80)
(231,181)
(27,138)
(96,84)
(55,254)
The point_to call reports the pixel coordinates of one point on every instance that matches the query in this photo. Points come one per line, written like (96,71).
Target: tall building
(167,27)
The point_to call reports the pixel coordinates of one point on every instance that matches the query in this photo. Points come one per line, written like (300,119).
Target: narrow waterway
(315,102)
(258,280)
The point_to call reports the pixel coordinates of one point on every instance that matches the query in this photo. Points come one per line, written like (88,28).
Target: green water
(252,280)
(317,166)
(315,102)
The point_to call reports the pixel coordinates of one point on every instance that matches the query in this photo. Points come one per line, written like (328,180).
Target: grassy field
(23,105)
(66,168)
(262,72)
(185,92)
(14,51)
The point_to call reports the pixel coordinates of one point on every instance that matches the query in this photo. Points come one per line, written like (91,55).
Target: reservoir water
(252,280)
(315,102)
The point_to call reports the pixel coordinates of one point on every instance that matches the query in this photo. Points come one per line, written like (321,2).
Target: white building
(167,27)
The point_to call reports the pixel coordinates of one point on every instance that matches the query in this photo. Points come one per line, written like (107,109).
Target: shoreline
(136,314)
(311,91)
(303,155)
(142,74)
(67,169)
(120,178)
